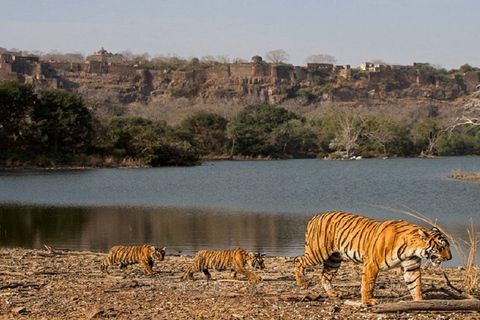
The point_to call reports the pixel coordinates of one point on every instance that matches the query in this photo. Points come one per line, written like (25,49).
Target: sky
(445,33)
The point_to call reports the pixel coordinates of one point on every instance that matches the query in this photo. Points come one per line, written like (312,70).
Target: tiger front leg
(300,273)
(146,265)
(250,275)
(188,275)
(369,276)
(412,275)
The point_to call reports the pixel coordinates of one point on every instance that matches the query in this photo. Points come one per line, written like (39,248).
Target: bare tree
(277,56)
(379,61)
(223,59)
(239,60)
(208,59)
(348,131)
(321,58)
(469,112)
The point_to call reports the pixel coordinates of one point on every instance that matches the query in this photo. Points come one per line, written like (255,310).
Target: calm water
(259,205)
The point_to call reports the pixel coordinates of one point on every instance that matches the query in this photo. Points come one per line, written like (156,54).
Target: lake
(259,205)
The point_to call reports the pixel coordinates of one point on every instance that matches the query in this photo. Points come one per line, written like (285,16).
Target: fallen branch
(23,285)
(302,298)
(429,305)
(450,284)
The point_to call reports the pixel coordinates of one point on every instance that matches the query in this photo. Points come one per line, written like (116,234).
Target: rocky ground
(41,284)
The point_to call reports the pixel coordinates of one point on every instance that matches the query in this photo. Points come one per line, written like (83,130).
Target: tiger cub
(124,256)
(333,237)
(235,260)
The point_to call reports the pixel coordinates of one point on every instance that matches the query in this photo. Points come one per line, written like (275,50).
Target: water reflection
(180,230)
(260,205)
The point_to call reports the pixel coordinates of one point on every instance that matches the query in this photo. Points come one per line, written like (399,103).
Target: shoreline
(63,284)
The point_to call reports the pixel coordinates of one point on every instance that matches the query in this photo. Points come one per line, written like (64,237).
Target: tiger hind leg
(188,275)
(104,268)
(330,268)
(207,274)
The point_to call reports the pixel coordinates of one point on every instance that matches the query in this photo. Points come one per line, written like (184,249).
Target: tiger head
(437,248)
(256,260)
(158,253)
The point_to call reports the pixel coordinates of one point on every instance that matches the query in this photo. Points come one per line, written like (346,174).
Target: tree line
(55,127)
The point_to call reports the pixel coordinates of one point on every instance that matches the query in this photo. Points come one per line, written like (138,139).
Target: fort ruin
(147,81)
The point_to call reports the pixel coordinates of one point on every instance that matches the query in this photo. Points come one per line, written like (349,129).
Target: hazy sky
(442,32)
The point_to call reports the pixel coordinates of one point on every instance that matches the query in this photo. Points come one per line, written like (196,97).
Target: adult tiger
(332,237)
(235,260)
(134,254)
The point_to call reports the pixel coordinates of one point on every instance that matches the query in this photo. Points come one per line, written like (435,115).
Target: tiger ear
(435,229)
(423,235)
(164,249)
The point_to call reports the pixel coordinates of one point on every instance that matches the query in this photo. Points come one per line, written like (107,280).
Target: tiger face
(158,253)
(256,260)
(437,248)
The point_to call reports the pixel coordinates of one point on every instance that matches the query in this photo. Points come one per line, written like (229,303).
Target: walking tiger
(235,260)
(124,256)
(333,237)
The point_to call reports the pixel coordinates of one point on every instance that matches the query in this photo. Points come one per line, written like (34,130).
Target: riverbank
(41,284)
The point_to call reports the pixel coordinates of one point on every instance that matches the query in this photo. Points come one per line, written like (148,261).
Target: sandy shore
(38,284)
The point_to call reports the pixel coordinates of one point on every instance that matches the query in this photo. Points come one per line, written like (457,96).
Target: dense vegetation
(55,127)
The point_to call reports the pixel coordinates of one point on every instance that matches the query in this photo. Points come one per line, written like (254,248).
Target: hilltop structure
(132,83)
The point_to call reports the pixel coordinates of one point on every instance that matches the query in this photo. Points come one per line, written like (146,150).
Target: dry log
(429,305)
(53,251)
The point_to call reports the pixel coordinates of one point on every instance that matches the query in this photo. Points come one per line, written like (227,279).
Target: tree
(348,131)
(277,56)
(16,103)
(122,131)
(469,112)
(321,58)
(386,136)
(429,132)
(63,123)
(251,129)
(207,131)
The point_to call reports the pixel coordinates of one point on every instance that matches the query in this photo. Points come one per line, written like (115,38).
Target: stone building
(101,55)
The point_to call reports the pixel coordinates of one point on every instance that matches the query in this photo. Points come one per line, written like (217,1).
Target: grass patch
(459,174)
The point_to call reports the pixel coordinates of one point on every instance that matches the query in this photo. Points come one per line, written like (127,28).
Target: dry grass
(471,279)
(459,174)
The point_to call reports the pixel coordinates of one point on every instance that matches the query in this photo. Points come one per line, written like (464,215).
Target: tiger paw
(303,284)
(369,302)
(334,294)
